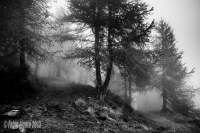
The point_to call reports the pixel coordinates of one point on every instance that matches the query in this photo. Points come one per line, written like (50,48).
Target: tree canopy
(119,37)
(171,71)
(24,25)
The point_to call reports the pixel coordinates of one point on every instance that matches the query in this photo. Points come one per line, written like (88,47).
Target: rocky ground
(74,109)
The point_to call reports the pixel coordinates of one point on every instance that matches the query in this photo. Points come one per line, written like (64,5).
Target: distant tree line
(23,33)
(24,25)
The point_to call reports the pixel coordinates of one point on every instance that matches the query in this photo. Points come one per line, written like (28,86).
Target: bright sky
(56,6)
(184,18)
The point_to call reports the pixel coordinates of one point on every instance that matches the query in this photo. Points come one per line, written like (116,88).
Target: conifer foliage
(23,31)
(24,25)
(172,72)
(119,36)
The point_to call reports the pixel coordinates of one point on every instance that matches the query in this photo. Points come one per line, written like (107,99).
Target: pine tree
(171,72)
(26,23)
(120,35)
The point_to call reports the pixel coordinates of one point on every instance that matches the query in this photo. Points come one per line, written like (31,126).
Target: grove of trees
(24,26)
(107,34)
(24,31)
(119,36)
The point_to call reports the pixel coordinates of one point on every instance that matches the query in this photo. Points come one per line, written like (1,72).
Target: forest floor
(73,108)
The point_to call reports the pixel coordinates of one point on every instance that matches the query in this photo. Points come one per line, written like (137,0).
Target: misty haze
(113,66)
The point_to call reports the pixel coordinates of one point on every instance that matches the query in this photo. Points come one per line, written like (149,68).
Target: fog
(149,101)
(146,101)
(72,72)
(69,71)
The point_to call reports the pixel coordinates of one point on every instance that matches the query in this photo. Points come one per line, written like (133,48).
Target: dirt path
(167,123)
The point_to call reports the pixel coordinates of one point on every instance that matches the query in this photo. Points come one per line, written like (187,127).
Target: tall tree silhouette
(120,35)
(171,71)
(26,23)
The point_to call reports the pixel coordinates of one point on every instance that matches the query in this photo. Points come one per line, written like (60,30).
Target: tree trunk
(130,91)
(58,72)
(97,60)
(110,64)
(22,40)
(164,107)
(125,91)
(97,48)
(37,67)
(54,70)
(22,54)
(107,80)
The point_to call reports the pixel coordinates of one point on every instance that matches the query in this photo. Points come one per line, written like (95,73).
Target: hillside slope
(75,109)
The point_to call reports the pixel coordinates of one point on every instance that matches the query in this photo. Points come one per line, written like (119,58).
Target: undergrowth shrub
(15,82)
(115,100)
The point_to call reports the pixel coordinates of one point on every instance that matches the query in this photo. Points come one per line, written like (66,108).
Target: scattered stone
(91,111)
(144,127)
(101,116)
(12,113)
(81,104)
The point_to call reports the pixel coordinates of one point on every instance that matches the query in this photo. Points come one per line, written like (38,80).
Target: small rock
(102,117)
(12,113)
(91,111)
(145,127)
(81,104)
(22,130)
